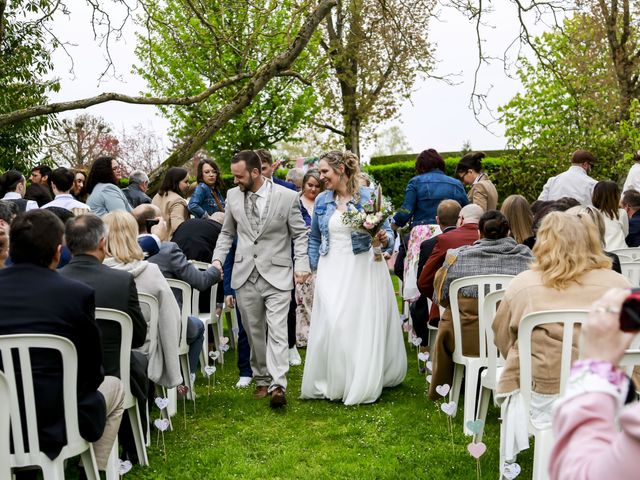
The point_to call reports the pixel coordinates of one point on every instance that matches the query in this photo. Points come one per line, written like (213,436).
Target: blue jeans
(195,337)
(244,350)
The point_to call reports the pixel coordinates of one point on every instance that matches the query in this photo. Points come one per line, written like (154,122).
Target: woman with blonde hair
(124,253)
(570,270)
(597,218)
(355,344)
(518,213)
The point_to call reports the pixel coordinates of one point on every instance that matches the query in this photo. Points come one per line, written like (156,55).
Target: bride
(355,346)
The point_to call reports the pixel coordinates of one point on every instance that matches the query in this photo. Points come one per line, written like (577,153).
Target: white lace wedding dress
(356,346)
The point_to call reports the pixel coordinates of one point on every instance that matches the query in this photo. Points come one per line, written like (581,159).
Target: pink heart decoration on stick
(224,340)
(406,327)
(477,449)
(449,408)
(442,390)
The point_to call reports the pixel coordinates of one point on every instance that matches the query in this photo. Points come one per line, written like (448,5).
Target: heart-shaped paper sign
(477,449)
(224,340)
(161,424)
(209,370)
(406,327)
(162,403)
(182,390)
(224,347)
(423,356)
(510,470)
(429,377)
(443,389)
(449,408)
(475,426)
(429,365)
(235,330)
(214,355)
(124,467)
(416,341)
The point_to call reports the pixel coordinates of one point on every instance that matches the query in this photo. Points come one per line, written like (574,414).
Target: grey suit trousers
(264,311)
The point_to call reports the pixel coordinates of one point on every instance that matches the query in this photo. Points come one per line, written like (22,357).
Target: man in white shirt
(61,183)
(575,182)
(633,177)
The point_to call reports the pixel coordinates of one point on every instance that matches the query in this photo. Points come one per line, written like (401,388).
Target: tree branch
(329,127)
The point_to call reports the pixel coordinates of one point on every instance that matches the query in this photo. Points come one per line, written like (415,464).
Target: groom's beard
(244,187)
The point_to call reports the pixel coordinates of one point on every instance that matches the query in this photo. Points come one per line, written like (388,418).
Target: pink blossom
(368,225)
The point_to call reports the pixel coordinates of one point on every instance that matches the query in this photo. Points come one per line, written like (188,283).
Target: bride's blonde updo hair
(351,164)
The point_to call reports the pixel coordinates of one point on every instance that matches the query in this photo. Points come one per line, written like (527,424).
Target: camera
(151,223)
(630,314)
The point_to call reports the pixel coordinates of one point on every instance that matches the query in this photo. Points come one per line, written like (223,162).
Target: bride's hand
(382,237)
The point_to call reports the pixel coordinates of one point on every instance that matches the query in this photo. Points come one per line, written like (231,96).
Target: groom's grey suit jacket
(269,251)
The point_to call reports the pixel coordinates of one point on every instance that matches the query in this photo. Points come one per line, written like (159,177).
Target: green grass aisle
(403,435)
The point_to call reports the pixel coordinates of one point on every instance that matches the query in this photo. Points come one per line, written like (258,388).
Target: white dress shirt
(31,204)
(633,179)
(263,193)
(66,200)
(574,183)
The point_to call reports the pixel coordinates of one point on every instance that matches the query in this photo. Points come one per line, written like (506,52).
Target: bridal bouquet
(371,218)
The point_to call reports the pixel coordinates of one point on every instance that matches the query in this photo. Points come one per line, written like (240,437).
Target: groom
(265,217)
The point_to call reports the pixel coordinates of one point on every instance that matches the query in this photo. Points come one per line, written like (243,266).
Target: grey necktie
(255,213)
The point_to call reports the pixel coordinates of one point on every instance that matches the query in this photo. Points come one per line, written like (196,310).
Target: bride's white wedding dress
(356,345)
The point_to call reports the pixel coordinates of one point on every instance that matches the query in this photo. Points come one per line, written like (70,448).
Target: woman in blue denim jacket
(207,199)
(355,346)
(424,193)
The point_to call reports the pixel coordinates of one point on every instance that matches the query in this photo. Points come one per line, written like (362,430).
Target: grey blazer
(270,250)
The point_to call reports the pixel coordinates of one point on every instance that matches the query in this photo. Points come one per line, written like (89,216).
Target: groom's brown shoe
(277,398)
(261,391)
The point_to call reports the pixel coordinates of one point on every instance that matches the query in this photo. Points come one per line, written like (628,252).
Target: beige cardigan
(484,194)
(174,209)
(526,294)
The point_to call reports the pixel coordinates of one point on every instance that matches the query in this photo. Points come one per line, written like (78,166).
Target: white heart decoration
(449,408)
(429,377)
(416,341)
(429,365)
(124,467)
(224,340)
(235,330)
(162,403)
(443,389)
(224,347)
(214,355)
(510,470)
(209,370)
(423,356)
(161,424)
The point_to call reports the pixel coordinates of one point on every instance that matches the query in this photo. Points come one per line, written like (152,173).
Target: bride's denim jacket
(324,208)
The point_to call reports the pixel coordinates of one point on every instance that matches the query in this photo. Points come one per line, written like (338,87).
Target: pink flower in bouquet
(368,225)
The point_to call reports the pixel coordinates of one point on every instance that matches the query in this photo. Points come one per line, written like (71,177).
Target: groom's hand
(302,277)
(218,265)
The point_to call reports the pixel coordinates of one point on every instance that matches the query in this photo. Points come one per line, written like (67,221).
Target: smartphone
(630,314)
(151,223)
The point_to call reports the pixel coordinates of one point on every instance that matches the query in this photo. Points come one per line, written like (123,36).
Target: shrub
(411,157)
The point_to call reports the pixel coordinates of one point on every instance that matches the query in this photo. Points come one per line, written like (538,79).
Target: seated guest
(570,270)
(102,185)
(85,236)
(631,204)
(8,211)
(39,190)
(170,199)
(12,186)
(494,253)
(520,217)
(136,192)
(63,214)
(207,197)
(4,247)
(296,176)
(465,234)
(446,217)
(174,264)
(61,183)
(606,198)
(124,253)
(594,436)
(41,301)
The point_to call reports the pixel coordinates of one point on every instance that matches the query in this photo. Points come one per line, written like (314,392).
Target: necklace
(341,201)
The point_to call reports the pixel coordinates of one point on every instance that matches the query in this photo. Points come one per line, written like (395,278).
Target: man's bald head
(447,214)
(471,214)
(144,212)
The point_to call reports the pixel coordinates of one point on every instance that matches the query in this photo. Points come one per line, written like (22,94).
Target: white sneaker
(294,357)
(244,382)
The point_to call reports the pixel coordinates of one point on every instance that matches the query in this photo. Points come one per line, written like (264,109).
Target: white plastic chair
(631,252)
(543,433)
(5,451)
(130,401)
(472,365)
(31,455)
(151,311)
(207,319)
(488,350)
(183,348)
(631,270)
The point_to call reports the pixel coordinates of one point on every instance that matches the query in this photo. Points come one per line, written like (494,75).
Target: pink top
(588,444)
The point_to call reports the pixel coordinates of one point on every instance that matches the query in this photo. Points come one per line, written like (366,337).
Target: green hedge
(411,157)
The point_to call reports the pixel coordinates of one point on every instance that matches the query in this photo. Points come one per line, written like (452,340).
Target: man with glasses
(575,182)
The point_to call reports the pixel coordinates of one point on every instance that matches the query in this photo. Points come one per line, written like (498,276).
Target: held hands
(302,277)
(230,301)
(382,237)
(601,337)
(217,265)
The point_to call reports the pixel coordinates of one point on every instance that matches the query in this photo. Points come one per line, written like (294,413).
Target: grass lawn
(403,435)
